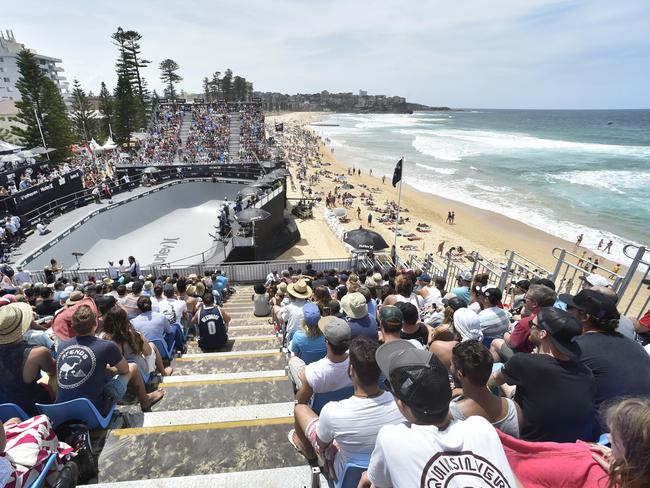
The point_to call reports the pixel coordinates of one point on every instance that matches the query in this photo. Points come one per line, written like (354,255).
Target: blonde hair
(629,423)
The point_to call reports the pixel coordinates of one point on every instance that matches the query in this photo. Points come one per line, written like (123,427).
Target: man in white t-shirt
(431,449)
(353,423)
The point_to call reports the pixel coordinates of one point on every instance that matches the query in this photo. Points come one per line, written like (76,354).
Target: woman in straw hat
(20,363)
(292,313)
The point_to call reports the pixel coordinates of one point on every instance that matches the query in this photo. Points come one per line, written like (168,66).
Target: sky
(484,54)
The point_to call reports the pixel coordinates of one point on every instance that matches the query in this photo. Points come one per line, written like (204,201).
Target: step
(249,343)
(197,394)
(235,364)
(222,378)
(250,330)
(295,476)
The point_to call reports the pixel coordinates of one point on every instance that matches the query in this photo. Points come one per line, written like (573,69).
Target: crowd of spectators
(252,136)
(208,138)
(415,371)
(163,141)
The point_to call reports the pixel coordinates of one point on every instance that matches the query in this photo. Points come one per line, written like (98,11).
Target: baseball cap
(523,284)
(425,278)
(454,302)
(491,291)
(354,305)
(390,313)
(465,275)
(415,376)
(335,330)
(594,303)
(311,313)
(595,280)
(168,289)
(562,328)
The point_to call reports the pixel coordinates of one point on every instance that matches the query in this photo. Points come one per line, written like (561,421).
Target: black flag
(397,175)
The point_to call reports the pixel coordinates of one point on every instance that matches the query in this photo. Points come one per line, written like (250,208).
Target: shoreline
(476,229)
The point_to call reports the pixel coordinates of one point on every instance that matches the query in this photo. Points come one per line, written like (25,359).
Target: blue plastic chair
(11,410)
(321,399)
(79,409)
(46,469)
(162,347)
(604,440)
(351,475)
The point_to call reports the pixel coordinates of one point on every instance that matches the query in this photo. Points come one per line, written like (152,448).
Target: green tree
(249,90)
(106,108)
(30,85)
(81,113)
(206,89)
(239,88)
(132,48)
(215,84)
(168,75)
(56,124)
(123,116)
(226,85)
(128,65)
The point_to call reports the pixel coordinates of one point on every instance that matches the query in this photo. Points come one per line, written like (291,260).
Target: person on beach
(608,247)
(383,179)
(369,219)
(579,240)
(448,221)
(600,244)
(441,248)
(359,213)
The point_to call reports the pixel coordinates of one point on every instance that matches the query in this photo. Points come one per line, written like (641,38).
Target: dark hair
(181,285)
(440,281)
(83,320)
(208,299)
(493,295)
(46,292)
(121,290)
(474,360)
(542,295)
(118,328)
(259,289)
(158,290)
(136,287)
(339,349)
(144,304)
(543,281)
(362,359)
(409,312)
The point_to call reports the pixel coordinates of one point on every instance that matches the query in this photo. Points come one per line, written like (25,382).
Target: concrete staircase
(184,132)
(233,146)
(223,421)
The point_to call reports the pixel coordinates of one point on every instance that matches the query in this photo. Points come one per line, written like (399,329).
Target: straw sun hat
(299,289)
(15,319)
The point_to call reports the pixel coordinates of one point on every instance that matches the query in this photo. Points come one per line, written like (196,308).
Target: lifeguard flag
(397,175)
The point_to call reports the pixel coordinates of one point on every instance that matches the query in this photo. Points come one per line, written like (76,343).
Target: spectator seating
(11,410)
(80,409)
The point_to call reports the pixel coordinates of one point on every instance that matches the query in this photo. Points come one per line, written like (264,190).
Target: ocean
(565,172)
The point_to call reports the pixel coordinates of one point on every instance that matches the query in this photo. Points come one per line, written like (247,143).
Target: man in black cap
(620,365)
(554,390)
(431,449)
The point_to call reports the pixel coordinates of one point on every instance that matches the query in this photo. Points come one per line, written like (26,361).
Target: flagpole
(399,204)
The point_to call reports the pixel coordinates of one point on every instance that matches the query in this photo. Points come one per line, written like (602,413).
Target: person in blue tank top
(212,324)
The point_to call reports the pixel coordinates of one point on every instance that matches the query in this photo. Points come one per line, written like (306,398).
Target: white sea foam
(378,121)
(615,181)
(473,168)
(443,148)
(477,141)
(442,171)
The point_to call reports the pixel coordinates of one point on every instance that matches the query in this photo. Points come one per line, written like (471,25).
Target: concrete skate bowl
(170,224)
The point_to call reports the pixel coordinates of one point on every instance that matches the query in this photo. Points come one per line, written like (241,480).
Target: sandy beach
(475,229)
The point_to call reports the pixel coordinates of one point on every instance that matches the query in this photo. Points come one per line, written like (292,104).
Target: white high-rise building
(9,50)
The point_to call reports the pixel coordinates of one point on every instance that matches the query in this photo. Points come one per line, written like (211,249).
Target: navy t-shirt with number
(81,369)
(212,329)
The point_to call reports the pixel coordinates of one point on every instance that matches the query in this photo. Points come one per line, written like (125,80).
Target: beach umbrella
(340,212)
(261,184)
(252,214)
(9,158)
(249,191)
(6,147)
(268,179)
(151,169)
(25,154)
(347,186)
(41,150)
(280,172)
(365,239)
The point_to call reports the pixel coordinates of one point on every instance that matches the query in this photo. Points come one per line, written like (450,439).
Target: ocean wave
(442,171)
(444,149)
(615,181)
(477,141)
(391,120)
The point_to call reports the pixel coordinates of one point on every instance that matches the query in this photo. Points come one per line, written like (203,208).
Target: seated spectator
(391,321)
(153,325)
(371,301)
(291,313)
(518,294)
(429,293)
(174,309)
(356,310)
(615,360)
(92,368)
(471,364)
(536,297)
(48,305)
(331,372)
(466,326)
(554,390)
(412,328)
(62,322)
(212,324)
(133,344)
(346,430)
(431,448)
(494,320)
(20,363)
(130,302)
(464,279)
(262,308)
(308,343)
(627,461)
(404,293)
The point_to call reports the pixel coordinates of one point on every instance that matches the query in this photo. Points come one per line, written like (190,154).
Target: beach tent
(94,146)
(6,147)
(25,154)
(109,145)
(41,150)
(10,158)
